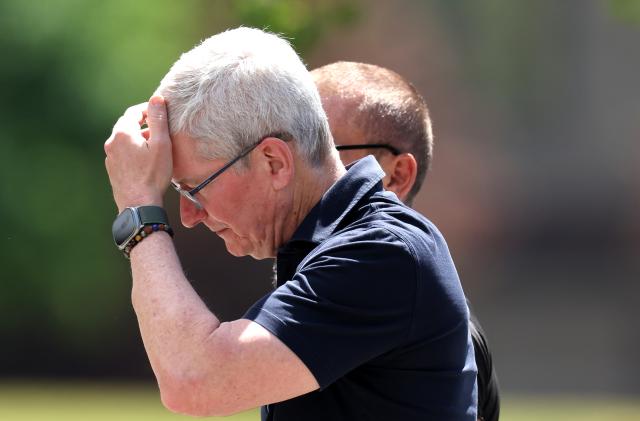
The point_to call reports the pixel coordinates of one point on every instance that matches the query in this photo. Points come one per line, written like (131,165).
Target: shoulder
(371,240)
(364,264)
(394,228)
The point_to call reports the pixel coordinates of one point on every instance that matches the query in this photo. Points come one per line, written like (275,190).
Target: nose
(190,214)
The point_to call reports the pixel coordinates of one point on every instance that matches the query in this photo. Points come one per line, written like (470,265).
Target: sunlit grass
(570,408)
(88,402)
(74,401)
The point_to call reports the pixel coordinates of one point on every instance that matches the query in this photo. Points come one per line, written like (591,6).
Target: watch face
(125,226)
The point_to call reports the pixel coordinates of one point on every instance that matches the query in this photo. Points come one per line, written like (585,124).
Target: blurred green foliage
(70,68)
(626,10)
(301,20)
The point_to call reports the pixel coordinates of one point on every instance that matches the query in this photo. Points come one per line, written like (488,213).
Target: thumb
(157,119)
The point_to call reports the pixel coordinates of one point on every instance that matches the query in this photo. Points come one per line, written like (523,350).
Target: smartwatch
(133,224)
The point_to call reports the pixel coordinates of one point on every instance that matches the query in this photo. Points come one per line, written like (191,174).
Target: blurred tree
(70,68)
(626,10)
(302,21)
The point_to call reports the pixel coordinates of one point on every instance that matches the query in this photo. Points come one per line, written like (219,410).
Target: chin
(256,254)
(241,253)
(261,256)
(235,251)
(245,248)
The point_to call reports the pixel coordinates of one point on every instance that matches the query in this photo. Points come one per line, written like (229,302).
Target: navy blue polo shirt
(369,299)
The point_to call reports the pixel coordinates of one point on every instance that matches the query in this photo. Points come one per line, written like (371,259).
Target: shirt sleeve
(350,301)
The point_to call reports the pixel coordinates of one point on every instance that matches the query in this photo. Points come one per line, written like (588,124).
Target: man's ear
(277,161)
(401,175)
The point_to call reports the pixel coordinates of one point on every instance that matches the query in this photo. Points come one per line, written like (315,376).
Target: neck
(309,187)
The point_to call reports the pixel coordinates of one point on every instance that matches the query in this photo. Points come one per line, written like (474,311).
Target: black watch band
(135,223)
(152,215)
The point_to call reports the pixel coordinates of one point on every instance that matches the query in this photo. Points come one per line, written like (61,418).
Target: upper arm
(247,367)
(347,304)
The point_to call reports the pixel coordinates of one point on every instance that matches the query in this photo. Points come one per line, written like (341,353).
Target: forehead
(187,163)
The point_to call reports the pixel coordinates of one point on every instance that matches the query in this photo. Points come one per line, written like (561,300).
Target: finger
(146,133)
(157,119)
(131,120)
(107,145)
(125,128)
(136,112)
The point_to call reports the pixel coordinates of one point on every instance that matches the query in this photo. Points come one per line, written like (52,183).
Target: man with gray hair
(374,110)
(368,320)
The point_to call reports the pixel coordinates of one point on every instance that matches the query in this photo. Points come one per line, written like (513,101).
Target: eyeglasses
(190,194)
(386,146)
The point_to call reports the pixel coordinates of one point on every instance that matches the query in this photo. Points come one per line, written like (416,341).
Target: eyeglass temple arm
(224,168)
(388,147)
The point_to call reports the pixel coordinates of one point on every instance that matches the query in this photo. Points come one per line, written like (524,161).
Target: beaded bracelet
(144,232)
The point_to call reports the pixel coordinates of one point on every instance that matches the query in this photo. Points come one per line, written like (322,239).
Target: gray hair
(241,85)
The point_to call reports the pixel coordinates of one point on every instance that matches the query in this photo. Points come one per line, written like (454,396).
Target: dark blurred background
(535,182)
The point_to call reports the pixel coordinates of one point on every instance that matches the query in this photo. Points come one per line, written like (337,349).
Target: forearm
(174,321)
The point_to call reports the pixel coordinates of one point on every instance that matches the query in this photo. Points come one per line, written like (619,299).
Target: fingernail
(155,101)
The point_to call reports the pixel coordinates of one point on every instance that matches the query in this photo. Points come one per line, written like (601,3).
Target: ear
(276,159)
(401,175)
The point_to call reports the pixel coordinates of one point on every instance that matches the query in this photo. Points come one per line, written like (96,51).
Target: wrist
(143,234)
(136,223)
(138,201)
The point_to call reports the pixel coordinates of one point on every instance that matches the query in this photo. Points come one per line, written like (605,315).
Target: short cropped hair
(241,85)
(386,108)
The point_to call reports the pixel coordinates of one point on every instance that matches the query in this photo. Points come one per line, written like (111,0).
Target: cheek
(258,213)
(237,206)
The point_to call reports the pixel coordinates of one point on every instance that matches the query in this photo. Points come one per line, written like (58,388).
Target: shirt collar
(337,202)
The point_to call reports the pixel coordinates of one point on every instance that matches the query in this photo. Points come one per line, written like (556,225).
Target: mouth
(214,229)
